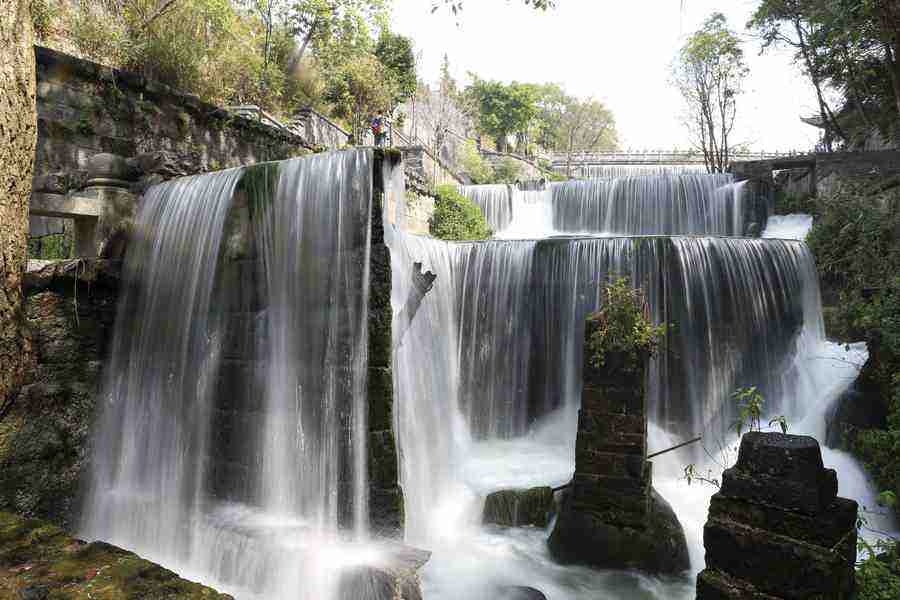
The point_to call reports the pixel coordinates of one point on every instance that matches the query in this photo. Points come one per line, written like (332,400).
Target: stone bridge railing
(652,157)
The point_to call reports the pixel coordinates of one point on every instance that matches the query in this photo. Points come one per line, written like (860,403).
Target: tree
(395,53)
(786,22)
(357,91)
(501,110)
(18,137)
(585,126)
(709,72)
(331,25)
(848,47)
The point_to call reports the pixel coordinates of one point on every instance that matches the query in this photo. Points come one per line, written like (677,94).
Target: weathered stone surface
(810,495)
(70,309)
(515,508)
(776,528)
(394,577)
(655,545)
(778,565)
(38,560)
(715,585)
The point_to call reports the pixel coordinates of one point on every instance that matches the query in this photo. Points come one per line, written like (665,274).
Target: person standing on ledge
(378,130)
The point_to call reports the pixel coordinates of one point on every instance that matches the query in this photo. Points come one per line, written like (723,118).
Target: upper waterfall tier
(660,204)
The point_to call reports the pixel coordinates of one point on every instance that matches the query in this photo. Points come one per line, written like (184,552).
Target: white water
(788,227)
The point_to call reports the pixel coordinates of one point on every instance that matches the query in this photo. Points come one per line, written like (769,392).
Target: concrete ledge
(58,205)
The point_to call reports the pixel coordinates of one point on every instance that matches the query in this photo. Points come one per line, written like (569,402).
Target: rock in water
(516,508)
(519,592)
(586,538)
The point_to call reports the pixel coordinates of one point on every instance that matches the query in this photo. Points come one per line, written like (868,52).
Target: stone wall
(70,308)
(318,131)
(85,108)
(530,170)
(824,168)
(425,167)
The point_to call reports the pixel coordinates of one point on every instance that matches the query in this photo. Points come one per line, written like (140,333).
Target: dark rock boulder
(518,592)
(394,577)
(855,410)
(516,508)
(586,538)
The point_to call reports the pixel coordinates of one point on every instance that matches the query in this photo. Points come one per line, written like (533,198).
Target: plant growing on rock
(623,328)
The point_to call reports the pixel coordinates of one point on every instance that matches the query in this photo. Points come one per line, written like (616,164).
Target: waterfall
(495,201)
(670,204)
(650,205)
(231,436)
(488,377)
(613,171)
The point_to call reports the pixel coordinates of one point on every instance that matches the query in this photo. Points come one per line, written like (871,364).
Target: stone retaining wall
(85,108)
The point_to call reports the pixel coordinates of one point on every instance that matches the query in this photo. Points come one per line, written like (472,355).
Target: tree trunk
(18,136)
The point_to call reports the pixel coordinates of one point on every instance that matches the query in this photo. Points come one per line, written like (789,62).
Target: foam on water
(788,227)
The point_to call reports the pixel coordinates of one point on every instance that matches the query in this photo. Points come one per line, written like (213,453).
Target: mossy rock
(38,560)
(516,508)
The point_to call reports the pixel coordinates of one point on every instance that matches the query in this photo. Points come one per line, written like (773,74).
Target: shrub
(473,164)
(623,327)
(878,577)
(457,218)
(508,170)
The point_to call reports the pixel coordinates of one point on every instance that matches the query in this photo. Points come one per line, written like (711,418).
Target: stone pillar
(612,517)
(777,529)
(385,495)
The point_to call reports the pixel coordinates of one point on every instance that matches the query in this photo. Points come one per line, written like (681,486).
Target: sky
(619,52)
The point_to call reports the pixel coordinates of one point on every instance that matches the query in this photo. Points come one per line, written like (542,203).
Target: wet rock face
(37,560)
(777,529)
(516,508)
(70,307)
(394,577)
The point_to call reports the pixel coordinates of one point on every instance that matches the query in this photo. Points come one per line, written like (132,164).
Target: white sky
(618,51)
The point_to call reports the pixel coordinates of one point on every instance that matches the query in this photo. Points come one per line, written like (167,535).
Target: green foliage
(51,247)
(857,249)
(473,164)
(502,110)
(709,71)
(845,47)
(786,204)
(456,218)
(357,91)
(395,53)
(878,576)
(623,328)
(750,406)
(508,170)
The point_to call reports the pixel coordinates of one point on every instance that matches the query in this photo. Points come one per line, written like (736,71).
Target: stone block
(613,399)
(780,455)
(515,508)
(380,390)
(612,464)
(775,564)
(810,495)
(716,585)
(835,527)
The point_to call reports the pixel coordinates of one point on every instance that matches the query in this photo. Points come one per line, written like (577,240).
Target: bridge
(653,158)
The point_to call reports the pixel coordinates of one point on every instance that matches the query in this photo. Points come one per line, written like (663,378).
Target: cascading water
(231,439)
(495,201)
(744,312)
(682,204)
(612,171)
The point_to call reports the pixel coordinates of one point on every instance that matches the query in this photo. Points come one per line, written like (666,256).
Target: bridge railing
(658,157)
